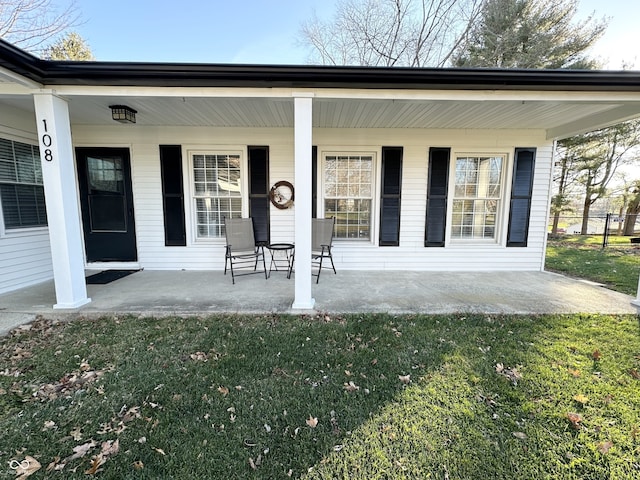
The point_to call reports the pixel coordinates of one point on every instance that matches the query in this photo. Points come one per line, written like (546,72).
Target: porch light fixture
(123,114)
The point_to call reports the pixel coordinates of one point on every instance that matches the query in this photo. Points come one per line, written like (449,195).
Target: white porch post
(636,302)
(63,215)
(303,107)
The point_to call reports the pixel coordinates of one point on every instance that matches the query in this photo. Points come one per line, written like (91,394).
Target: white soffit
(342,113)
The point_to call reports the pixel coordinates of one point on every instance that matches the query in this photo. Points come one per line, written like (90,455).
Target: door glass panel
(107,202)
(107,213)
(105,175)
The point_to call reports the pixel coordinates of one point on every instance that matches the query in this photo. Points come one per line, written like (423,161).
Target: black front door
(104,178)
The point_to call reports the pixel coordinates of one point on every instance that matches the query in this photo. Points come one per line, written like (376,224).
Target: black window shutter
(390,196)
(172,195)
(314,182)
(437,187)
(521,189)
(259,192)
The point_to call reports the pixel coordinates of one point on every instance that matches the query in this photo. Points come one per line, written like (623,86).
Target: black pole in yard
(605,237)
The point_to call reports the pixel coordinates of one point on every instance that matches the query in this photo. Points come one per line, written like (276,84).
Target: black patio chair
(321,238)
(241,250)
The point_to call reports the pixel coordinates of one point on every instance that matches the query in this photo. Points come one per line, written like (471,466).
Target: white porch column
(303,107)
(636,302)
(61,196)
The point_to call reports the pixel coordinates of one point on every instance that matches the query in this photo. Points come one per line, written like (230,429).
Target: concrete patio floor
(161,293)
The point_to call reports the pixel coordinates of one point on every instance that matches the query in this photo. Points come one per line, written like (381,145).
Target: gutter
(295,76)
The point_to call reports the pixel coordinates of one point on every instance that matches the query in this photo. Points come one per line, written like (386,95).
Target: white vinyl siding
(25,259)
(352,255)
(25,253)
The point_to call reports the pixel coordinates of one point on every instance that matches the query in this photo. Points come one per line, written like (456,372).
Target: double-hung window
(348,186)
(477,197)
(21,188)
(217,192)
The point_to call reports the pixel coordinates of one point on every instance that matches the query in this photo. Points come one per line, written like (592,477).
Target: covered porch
(186,293)
(379,149)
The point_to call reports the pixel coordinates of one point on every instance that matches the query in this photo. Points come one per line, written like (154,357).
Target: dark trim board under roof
(286,76)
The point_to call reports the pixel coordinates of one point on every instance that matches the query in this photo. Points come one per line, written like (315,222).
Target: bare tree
(32,24)
(414,33)
(597,156)
(630,208)
(565,178)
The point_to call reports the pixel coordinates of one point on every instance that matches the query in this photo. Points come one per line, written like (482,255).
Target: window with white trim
(348,187)
(216,191)
(477,197)
(21,188)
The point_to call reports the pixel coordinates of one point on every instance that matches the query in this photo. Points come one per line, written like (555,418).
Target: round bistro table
(282,256)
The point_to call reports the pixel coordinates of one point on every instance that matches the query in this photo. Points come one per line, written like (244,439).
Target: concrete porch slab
(162,293)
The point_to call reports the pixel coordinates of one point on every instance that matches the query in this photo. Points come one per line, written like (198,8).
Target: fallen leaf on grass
(603,447)
(199,357)
(634,373)
(80,451)
(223,390)
(138,465)
(160,451)
(520,435)
(312,421)
(255,464)
(406,379)
(76,434)
(574,372)
(575,420)
(512,374)
(581,399)
(110,447)
(128,415)
(25,468)
(98,461)
(68,383)
(54,465)
(596,355)
(351,387)
(48,425)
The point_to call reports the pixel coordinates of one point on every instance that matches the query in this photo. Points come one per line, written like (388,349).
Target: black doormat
(108,276)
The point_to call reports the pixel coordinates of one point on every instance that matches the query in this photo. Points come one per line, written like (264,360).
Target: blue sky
(264,31)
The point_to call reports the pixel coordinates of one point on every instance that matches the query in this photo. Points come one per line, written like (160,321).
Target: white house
(423,169)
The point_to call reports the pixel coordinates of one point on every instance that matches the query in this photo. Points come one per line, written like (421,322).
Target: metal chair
(241,250)
(321,237)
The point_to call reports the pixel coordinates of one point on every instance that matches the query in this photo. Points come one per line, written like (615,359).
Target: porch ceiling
(548,115)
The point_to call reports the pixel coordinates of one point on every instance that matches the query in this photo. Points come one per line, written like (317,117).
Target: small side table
(282,255)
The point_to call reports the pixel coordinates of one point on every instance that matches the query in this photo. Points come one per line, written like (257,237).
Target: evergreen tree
(71,47)
(530,34)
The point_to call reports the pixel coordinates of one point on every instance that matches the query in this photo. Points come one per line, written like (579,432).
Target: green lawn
(617,265)
(355,397)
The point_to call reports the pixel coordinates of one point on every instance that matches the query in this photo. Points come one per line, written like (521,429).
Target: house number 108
(47,141)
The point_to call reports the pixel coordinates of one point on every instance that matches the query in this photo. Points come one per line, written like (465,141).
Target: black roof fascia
(18,61)
(287,76)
